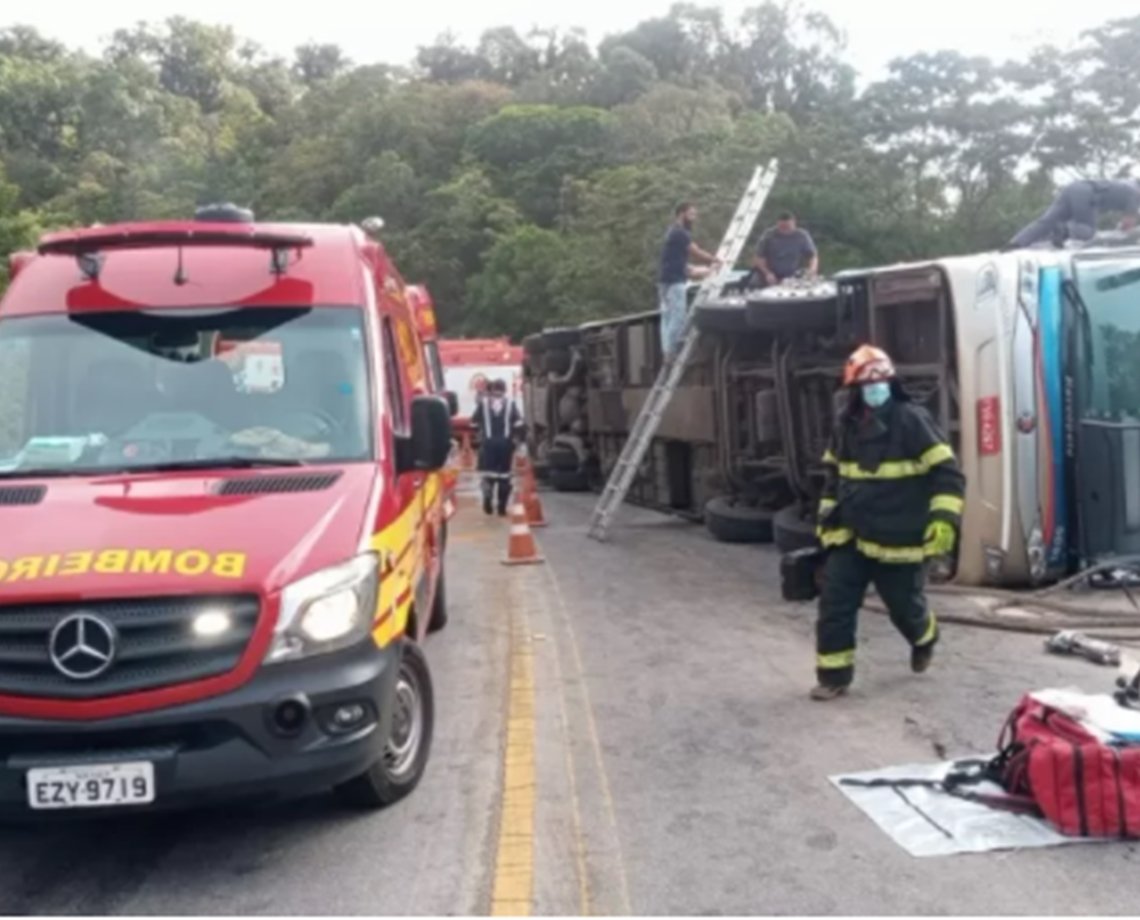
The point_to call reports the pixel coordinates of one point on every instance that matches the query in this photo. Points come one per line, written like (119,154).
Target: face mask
(876,394)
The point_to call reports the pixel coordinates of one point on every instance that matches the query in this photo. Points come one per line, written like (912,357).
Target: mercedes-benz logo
(82,646)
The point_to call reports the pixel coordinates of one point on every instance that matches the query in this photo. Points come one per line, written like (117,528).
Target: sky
(382,31)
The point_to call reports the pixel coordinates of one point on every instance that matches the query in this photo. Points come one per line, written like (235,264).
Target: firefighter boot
(488,497)
(823,693)
(922,655)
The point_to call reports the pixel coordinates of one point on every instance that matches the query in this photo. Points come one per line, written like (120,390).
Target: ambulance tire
(793,531)
(565,480)
(732,522)
(397,773)
(438,618)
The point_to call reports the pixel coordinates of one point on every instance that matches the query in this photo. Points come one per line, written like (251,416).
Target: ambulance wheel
(406,750)
(438,618)
(729,521)
(792,530)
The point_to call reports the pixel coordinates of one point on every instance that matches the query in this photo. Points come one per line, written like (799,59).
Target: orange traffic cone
(530,499)
(521,548)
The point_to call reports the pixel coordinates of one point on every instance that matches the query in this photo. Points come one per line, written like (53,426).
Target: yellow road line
(512,890)
(595,742)
(585,906)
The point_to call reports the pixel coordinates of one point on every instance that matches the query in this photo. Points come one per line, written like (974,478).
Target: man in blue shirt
(675,271)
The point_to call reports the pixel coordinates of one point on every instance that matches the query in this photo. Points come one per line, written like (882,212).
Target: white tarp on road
(929,822)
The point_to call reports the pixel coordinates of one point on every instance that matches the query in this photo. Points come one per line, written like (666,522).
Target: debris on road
(1071,642)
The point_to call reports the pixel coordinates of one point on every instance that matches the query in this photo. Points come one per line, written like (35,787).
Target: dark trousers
(495,458)
(847,574)
(1072,215)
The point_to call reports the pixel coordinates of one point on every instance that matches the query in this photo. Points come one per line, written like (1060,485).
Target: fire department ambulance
(222,544)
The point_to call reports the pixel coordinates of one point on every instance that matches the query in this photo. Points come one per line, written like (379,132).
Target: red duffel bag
(1084,787)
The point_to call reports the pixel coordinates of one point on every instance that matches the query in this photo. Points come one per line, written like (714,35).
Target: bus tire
(566,480)
(561,337)
(792,530)
(557,362)
(729,521)
(402,765)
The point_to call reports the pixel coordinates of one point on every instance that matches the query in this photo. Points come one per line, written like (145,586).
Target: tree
(517,291)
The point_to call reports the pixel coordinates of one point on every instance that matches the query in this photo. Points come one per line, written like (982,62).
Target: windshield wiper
(166,466)
(209,463)
(49,472)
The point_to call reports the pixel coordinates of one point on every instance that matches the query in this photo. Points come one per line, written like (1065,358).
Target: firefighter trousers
(847,575)
(495,458)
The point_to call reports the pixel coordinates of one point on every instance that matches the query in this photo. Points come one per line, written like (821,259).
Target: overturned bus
(1029,360)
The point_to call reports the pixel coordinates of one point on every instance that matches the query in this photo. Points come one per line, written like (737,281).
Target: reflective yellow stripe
(931,629)
(834,536)
(835,660)
(939,453)
(889,469)
(829,458)
(826,504)
(900,469)
(950,503)
(890,553)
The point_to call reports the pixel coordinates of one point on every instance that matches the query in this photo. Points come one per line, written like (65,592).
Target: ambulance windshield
(163,389)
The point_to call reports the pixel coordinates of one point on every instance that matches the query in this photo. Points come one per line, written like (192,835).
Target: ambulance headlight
(326,611)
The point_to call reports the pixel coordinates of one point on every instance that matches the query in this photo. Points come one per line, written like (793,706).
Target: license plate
(91,785)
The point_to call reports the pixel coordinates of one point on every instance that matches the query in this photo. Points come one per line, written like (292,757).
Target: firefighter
(496,418)
(892,500)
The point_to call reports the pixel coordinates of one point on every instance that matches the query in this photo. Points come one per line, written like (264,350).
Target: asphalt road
(623,729)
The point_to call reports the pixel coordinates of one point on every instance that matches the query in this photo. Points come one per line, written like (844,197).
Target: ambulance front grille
(155,644)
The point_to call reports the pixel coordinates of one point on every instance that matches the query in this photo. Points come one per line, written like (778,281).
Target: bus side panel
(1028,459)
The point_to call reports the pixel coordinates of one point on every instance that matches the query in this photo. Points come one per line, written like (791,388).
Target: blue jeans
(673,309)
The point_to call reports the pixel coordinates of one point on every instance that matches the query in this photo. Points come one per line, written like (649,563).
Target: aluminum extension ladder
(669,377)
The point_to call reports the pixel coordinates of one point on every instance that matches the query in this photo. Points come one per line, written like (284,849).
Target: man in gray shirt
(784,251)
(1074,212)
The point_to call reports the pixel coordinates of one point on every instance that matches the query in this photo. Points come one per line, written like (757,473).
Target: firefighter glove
(939,539)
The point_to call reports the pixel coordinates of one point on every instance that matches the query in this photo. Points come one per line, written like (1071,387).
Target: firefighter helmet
(868,364)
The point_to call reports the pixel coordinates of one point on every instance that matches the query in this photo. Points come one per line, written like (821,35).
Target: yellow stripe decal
(931,629)
(899,469)
(949,503)
(897,554)
(835,536)
(939,453)
(833,661)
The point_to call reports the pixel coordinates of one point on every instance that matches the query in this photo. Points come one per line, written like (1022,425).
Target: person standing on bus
(892,499)
(1074,212)
(675,271)
(496,418)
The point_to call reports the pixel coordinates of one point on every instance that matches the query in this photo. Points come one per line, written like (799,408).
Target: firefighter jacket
(889,474)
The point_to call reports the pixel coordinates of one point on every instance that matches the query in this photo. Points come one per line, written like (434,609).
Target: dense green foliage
(528,180)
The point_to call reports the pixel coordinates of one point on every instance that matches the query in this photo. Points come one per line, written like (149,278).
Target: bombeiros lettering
(186,563)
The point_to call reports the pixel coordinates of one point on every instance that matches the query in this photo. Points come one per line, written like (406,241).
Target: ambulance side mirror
(429,445)
(452,402)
